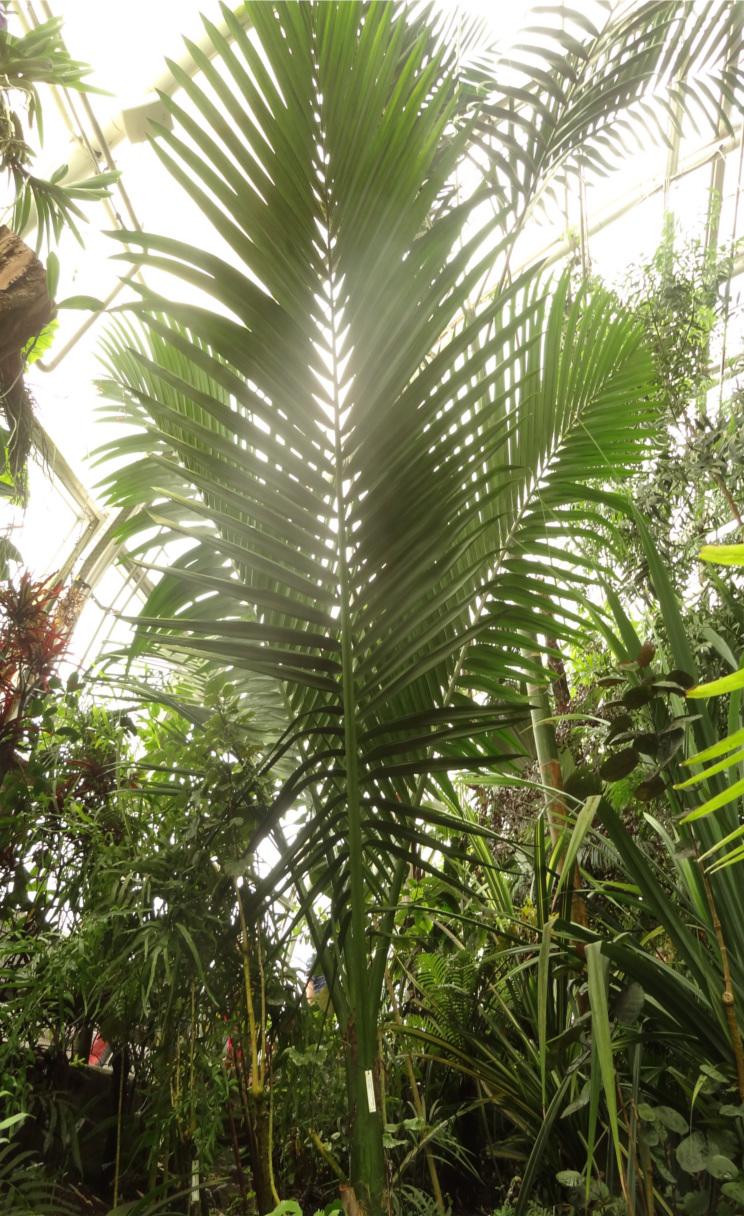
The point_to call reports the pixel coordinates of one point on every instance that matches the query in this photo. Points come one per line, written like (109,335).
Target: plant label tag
(370,1091)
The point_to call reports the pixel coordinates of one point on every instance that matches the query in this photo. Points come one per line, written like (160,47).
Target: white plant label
(370,1091)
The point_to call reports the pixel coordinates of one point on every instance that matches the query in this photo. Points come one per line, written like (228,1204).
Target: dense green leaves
(374,478)
(40,57)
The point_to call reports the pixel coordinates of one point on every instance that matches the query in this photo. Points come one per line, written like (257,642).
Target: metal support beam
(557,250)
(84,158)
(63,471)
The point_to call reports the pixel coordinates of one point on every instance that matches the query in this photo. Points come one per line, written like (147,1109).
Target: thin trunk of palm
(548,760)
(360,1032)
(551,775)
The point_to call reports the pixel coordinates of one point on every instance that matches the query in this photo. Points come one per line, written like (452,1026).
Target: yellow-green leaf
(716,688)
(723,555)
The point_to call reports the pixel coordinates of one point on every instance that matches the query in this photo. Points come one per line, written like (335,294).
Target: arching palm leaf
(578,98)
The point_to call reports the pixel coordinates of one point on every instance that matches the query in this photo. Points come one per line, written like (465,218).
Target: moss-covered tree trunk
(25,308)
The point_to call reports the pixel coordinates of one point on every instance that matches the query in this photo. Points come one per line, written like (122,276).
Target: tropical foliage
(381,503)
(412,726)
(27,288)
(39,57)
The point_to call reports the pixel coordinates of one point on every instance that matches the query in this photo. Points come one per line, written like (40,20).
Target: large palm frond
(378,486)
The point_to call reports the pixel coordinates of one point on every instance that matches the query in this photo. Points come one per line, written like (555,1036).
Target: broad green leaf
(714,803)
(721,1167)
(583,823)
(716,688)
(723,555)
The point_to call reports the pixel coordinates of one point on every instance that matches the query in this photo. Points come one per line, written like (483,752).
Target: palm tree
(378,442)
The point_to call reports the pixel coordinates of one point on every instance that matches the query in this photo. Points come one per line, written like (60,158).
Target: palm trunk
(260,1150)
(548,760)
(362,1062)
(365,1133)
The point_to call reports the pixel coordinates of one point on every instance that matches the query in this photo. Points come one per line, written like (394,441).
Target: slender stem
(728,998)
(262,1027)
(256,1086)
(240,1175)
(730,500)
(548,759)
(270,1148)
(119,1117)
(355,949)
(367,1154)
(330,1158)
(647,1172)
(192,1062)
